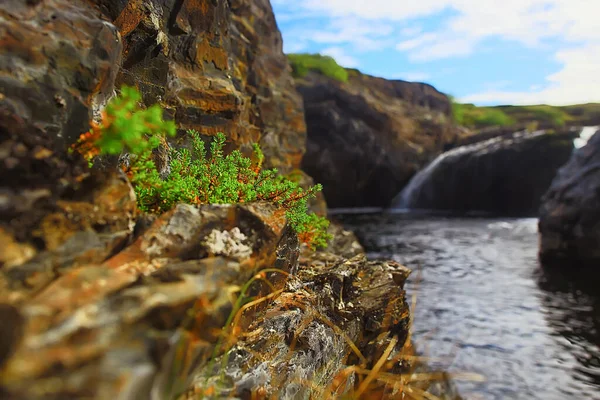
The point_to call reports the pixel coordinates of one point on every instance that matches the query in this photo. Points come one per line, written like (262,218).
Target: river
(483,304)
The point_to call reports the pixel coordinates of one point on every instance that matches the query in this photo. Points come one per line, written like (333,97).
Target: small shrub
(125,127)
(195,176)
(303,63)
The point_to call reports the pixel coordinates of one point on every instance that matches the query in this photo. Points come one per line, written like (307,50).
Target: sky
(487,52)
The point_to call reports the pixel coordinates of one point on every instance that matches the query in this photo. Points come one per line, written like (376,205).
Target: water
(585,135)
(483,305)
(418,188)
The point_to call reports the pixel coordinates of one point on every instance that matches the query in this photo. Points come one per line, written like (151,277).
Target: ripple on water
(484,306)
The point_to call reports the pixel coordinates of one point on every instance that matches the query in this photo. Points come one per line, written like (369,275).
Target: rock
(57,60)
(367,137)
(88,227)
(570,212)
(104,329)
(215,66)
(334,314)
(503,175)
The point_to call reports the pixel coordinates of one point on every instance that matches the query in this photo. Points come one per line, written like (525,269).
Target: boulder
(505,175)
(215,66)
(368,136)
(570,212)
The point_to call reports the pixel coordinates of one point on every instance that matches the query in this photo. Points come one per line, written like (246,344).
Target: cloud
(433,30)
(577,82)
(341,57)
(414,76)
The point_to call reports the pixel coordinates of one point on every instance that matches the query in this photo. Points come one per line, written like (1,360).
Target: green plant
(475,117)
(125,126)
(196,176)
(303,63)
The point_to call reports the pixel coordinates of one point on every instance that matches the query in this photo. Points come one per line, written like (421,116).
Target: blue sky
(481,51)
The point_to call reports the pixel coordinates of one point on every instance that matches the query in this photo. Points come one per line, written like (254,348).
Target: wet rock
(570,212)
(505,175)
(367,137)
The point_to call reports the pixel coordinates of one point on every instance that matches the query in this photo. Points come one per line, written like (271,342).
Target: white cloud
(414,43)
(411,76)
(570,27)
(577,82)
(341,57)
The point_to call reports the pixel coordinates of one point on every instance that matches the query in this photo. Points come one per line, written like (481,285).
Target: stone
(369,136)
(104,329)
(505,175)
(569,223)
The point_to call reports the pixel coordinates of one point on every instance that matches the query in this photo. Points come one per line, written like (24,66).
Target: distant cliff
(368,136)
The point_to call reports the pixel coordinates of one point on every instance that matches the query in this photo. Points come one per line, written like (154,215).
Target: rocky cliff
(101,301)
(215,66)
(570,213)
(506,175)
(368,136)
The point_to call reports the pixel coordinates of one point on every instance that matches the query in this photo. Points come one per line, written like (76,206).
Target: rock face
(570,213)
(367,137)
(215,66)
(122,305)
(505,175)
(99,301)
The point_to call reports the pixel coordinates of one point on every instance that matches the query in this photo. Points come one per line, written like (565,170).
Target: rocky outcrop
(368,136)
(505,175)
(123,305)
(100,301)
(215,66)
(570,213)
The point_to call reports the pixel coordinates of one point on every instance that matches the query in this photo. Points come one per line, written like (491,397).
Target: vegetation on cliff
(475,117)
(195,177)
(303,63)
(543,116)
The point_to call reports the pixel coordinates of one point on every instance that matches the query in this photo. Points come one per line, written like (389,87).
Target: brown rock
(333,314)
(216,67)
(105,330)
(55,49)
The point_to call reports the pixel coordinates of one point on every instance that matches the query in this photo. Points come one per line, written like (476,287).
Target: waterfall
(586,133)
(442,183)
(418,184)
(504,173)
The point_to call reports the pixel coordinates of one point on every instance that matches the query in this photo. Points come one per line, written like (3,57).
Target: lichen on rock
(228,243)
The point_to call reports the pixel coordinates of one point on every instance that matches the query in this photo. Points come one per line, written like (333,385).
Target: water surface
(483,305)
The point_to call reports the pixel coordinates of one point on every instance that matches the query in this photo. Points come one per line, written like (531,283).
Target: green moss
(475,117)
(303,63)
(542,116)
(196,176)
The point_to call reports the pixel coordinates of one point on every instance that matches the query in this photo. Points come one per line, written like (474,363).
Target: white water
(586,133)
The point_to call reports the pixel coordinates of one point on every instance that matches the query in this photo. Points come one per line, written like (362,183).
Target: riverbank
(484,305)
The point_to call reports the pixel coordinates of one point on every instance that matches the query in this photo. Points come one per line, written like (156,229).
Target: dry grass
(381,381)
